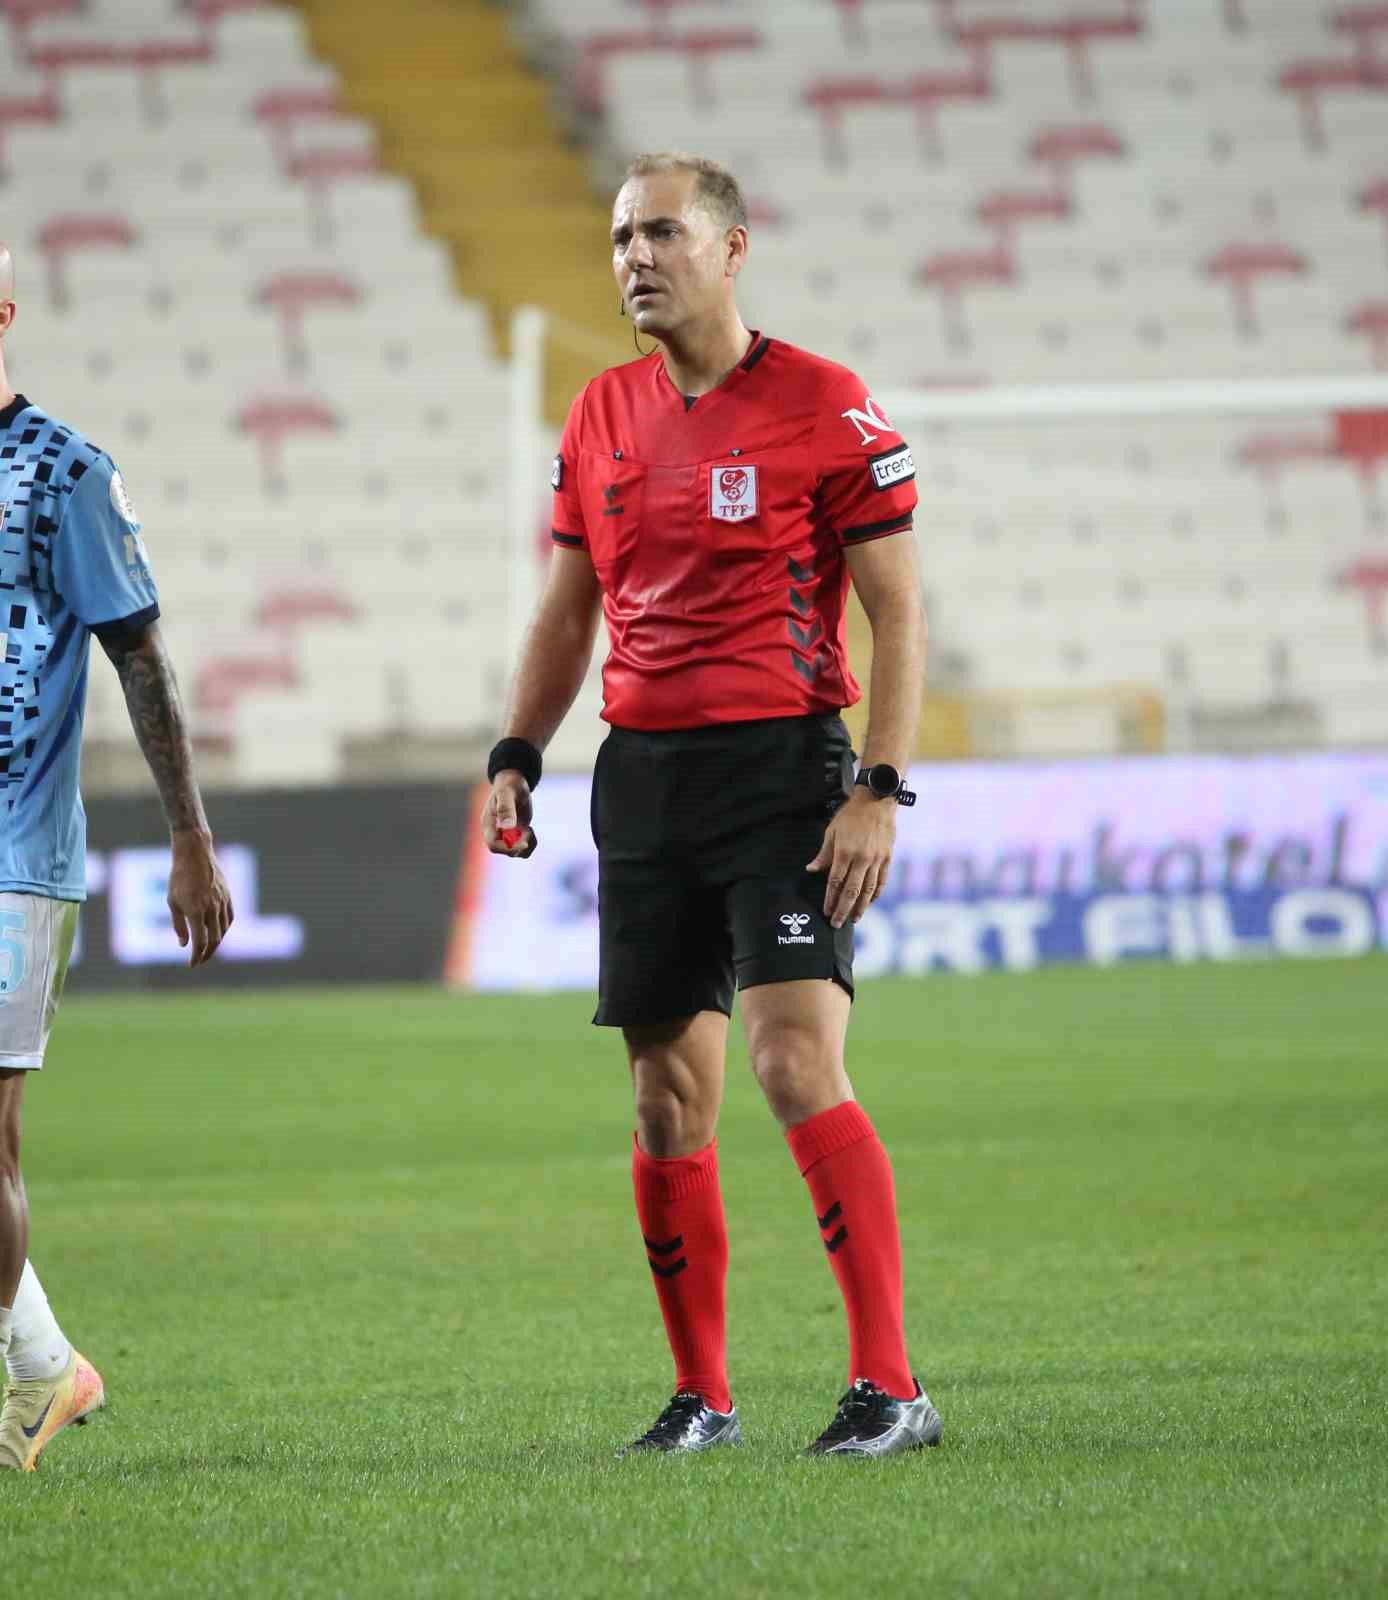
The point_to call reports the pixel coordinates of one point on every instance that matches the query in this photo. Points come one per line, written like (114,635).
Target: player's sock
(6,1323)
(38,1349)
(680,1208)
(850,1181)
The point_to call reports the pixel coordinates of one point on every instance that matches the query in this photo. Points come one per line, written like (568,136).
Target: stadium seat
(1371,320)
(1310,79)
(1242,266)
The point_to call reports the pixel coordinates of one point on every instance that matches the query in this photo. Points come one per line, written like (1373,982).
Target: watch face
(884,780)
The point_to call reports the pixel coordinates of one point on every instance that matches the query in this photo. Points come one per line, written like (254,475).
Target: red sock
(850,1179)
(680,1208)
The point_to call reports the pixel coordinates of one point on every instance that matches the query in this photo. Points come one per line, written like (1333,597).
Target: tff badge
(732,493)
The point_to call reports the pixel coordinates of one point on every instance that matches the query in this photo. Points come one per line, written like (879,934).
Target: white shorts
(36,936)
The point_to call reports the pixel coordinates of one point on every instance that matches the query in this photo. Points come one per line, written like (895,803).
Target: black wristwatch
(884,782)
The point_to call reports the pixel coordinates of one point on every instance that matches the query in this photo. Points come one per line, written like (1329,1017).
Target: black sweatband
(519,754)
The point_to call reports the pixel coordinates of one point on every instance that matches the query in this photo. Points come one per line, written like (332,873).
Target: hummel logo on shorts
(795,921)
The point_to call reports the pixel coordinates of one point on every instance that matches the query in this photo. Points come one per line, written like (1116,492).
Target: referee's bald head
(717,189)
(679,240)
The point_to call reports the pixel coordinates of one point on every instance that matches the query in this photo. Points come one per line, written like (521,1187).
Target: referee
(714,500)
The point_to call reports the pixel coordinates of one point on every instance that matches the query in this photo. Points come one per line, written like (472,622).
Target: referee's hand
(508,808)
(856,853)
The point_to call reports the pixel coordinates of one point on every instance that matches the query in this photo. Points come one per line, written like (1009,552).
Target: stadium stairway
(462,116)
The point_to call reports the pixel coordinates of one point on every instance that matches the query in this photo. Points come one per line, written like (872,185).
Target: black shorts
(703,836)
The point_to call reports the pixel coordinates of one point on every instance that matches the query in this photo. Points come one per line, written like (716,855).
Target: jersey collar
(11,411)
(755,351)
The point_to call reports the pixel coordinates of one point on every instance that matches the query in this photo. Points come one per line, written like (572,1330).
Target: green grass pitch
(362,1274)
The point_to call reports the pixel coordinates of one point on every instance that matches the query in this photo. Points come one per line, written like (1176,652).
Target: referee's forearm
(898,682)
(554,662)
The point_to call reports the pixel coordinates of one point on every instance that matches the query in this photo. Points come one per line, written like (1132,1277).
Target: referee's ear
(735,243)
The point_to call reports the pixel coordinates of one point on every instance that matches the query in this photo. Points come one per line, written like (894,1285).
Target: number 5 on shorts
(11,952)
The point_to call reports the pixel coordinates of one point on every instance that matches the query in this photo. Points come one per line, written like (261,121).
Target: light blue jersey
(71,563)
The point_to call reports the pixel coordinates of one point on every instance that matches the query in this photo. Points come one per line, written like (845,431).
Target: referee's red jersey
(717,530)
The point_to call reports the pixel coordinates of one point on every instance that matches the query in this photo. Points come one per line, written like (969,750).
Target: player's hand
(856,853)
(199,900)
(507,815)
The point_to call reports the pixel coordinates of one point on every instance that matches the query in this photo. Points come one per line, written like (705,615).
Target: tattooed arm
(199,902)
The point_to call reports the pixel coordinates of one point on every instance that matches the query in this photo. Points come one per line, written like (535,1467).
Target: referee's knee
(799,1071)
(670,1120)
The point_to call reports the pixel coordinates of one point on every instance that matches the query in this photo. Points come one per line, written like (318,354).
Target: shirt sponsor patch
(120,499)
(865,418)
(732,493)
(893,467)
(556,473)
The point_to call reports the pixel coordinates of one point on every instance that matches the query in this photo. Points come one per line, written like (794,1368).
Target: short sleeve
(567,525)
(866,474)
(100,564)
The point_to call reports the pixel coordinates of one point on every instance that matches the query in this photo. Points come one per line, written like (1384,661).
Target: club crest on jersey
(733,493)
(120,500)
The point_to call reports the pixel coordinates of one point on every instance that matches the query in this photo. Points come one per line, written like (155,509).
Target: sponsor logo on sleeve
(137,557)
(120,499)
(556,473)
(892,467)
(866,419)
(733,493)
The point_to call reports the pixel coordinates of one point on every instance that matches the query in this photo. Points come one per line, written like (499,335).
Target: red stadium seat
(1374,197)
(1369,575)
(1361,439)
(147,58)
(1365,24)
(762,212)
(294,294)
(282,110)
(61,235)
(831,97)
(22,14)
(1241,265)
(1371,319)
(1269,454)
(953,272)
(273,419)
(221,680)
(318,170)
(1075,32)
(1308,80)
(926,92)
(31,108)
(949,15)
(1063,148)
(212,11)
(698,47)
(144,55)
(1007,209)
(291,606)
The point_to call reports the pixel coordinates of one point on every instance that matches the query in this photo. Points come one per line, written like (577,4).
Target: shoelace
(676,1417)
(857,1407)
